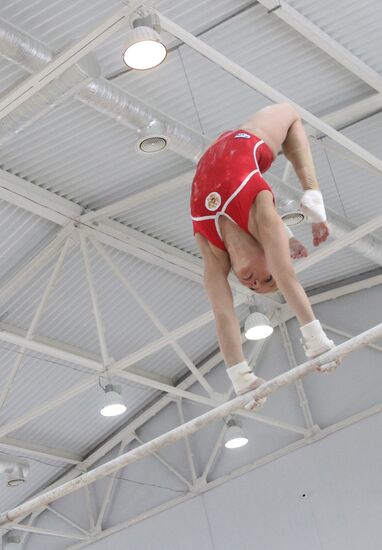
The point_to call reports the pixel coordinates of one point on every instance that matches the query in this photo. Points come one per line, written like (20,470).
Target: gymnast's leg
(280,127)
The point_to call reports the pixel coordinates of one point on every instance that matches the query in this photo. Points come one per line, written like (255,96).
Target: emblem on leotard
(242,135)
(213,201)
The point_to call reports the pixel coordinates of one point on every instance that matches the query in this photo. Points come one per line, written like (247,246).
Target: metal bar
(268,91)
(89,507)
(304,404)
(284,451)
(34,323)
(8,289)
(137,199)
(41,531)
(346,334)
(67,520)
(94,299)
(108,495)
(193,425)
(169,467)
(339,244)
(190,455)
(214,453)
(28,448)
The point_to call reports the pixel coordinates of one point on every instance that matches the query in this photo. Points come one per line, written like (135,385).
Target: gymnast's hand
(320,232)
(297,250)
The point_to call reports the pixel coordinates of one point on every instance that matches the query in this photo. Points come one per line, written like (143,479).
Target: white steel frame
(70,217)
(152,447)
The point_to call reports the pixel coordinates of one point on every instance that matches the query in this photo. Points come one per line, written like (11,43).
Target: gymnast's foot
(296,249)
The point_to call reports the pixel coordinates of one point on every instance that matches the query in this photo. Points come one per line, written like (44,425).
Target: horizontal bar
(192,426)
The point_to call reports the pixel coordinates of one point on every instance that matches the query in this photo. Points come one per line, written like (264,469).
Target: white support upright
(94,299)
(190,454)
(33,326)
(192,426)
(108,496)
(303,400)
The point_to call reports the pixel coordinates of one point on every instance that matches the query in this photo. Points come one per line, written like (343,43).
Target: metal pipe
(192,426)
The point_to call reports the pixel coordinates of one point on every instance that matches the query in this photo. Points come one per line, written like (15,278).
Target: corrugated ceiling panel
(77,425)
(68,316)
(166,218)
(21,235)
(86,157)
(355,25)
(10,75)
(58,22)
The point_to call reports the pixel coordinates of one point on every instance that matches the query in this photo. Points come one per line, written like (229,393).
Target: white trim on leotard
(223,212)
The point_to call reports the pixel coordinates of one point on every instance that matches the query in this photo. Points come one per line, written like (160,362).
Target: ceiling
(98,267)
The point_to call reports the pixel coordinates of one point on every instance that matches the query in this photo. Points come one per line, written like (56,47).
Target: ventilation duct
(32,56)
(125,109)
(18,47)
(130,111)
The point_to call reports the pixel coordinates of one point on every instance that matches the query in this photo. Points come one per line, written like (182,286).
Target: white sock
(312,205)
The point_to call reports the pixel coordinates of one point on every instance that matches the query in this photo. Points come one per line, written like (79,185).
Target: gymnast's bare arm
(216,270)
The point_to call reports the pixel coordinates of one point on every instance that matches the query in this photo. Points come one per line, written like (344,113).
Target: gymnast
(237,227)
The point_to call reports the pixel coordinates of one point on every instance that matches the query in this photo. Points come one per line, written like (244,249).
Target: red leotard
(227,181)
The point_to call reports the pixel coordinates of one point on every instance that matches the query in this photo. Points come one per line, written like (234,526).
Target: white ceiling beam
(8,383)
(181,181)
(33,265)
(317,36)
(176,434)
(346,334)
(37,200)
(67,58)
(303,400)
(339,244)
(67,520)
(48,532)
(31,449)
(265,89)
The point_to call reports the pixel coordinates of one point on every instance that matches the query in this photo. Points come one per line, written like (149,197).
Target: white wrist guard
(312,205)
(242,377)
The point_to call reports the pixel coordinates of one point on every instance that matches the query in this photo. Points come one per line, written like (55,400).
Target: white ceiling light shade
(152,138)
(290,212)
(144,48)
(12,539)
(16,470)
(234,436)
(257,326)
(113,404)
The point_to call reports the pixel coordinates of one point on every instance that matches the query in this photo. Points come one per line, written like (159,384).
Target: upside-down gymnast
(237,227)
